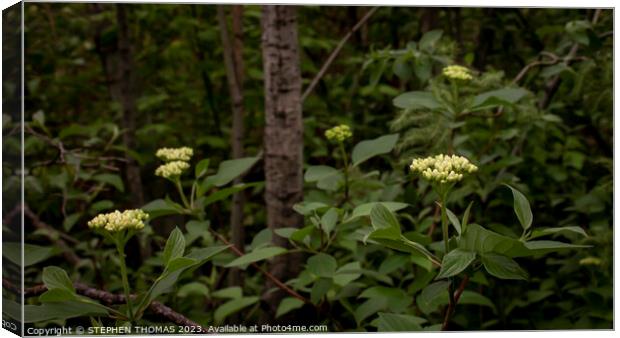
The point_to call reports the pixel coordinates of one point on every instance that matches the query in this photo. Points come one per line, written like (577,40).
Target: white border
(427,3)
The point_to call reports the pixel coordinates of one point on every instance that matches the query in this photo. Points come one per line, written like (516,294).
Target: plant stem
(121,252)
(345,159)
(444,225)
(192,195)
(177,182)
(444,230)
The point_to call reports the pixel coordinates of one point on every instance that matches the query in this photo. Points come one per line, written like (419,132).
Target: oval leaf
(370,148)
(175,246)
(256,255)
(455,262)
(522,208)
(503,267)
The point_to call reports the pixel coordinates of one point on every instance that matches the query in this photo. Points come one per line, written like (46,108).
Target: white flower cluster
(339,133)
(457,72)
(443,168)
(176,161)
(175,154)
(171,169)
(118,221)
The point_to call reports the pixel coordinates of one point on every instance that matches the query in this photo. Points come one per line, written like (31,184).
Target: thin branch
(553,85)
(454,300)
(109,298)
(267,274)
(335,53)
(69,255)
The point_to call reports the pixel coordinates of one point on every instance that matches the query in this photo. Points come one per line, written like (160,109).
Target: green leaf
(33,254)
(175,246)
(301,234)
(454,221)
(320,289)
(318,172)
(196,229)
(226,192)
(204,254)
(232,292)
(540,247)
(193,289)
(70,221)
(174,269)
(382,218)
(285,232)
(430,39)
(416,100)
(347,273)
(466,217)
(499,97)
(503,267)
(322,265)
(370,148)
(368,308)
(287,305)
(306,208)
(401,68)
(56,278)
(231,169)
(329,220)
(179,263)
(481,240)
(560,230)
(256,255)
(392,322)
(61,311)
(232,307)
(522,208)
(433,296)
(111,179)
(201,168)
(455,262)
(262,239)
(474,298)
(160,207)
(57,295)
(100,206)
(365,209)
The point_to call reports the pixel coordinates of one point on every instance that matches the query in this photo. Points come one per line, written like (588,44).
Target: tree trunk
(283,135)
(233,62)
(117,63)
(428,19)
(125,94)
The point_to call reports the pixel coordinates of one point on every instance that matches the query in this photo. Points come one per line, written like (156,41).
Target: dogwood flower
(457,72)
(443,168)
(118,221)
(175,154)
(339,133)
(171,169)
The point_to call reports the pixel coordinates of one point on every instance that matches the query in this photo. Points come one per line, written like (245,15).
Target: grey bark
(283,139)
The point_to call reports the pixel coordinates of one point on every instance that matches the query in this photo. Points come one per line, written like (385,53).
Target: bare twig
(554,83)
(69,255)
(109,298)
(335,53)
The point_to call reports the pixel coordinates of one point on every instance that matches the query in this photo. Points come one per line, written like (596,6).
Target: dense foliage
(523,241)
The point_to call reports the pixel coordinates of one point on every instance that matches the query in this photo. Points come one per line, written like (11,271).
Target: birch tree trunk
(283,135)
